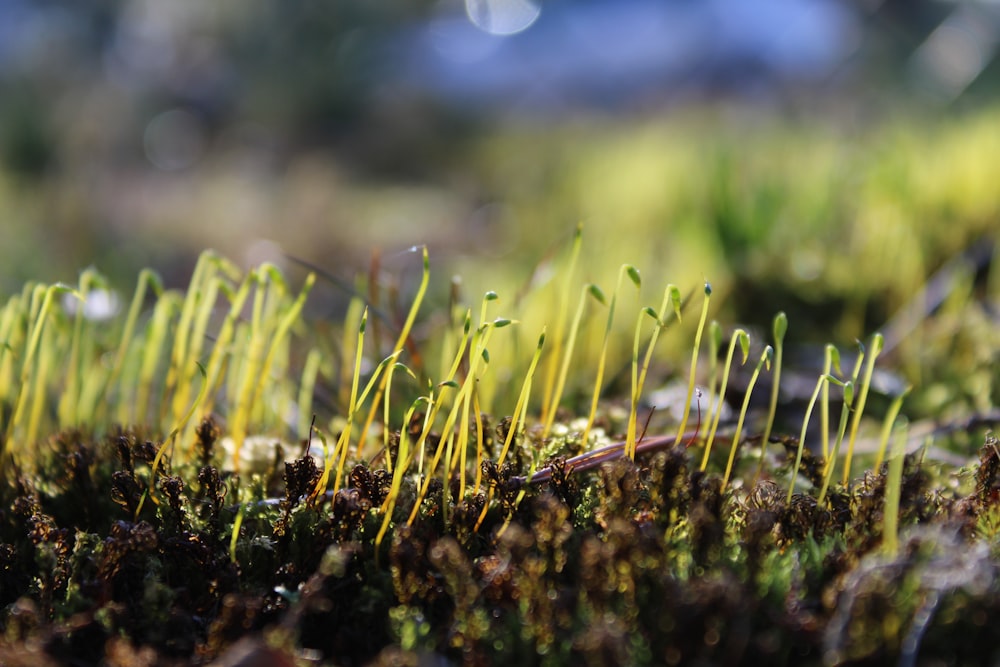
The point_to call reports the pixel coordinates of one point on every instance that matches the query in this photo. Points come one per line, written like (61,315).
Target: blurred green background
(815,156)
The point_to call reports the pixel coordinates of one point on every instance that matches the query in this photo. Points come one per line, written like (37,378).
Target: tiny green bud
(878,340)
(675,299)
(744,339)
(848,392)
(780,326)
(633,274)
(596,292)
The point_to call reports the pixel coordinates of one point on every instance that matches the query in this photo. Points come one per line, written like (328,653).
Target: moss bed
(634,563)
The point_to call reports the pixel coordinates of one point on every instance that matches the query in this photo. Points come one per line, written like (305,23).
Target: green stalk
(307,388)
(715,337)
(743,339)
(42,300)
(403,461)
(670,295)
(479,355)
(345,435)
(893,489)
(890,419)
(549,404)
(167,442)
(778,330)
(156,334)
(694,362)
(831,359)
(69,403)
(596,293)
(404,335)
(831,462)
(802,436)
(877,343)
(633,275)
(521,407)
(765,359)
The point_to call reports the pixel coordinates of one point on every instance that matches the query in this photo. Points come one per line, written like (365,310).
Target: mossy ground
(636,563)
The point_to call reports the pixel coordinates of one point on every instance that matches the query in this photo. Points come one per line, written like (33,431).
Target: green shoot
(234,538)
(69,404)
(521,407)
(307,389)
(479,355)
(156,334)
(715,337)
(877,342)
(831,361)
(404,335)
(671,295)
(168,441)
(765,360)
(694,361)
(802,436)
(893,488)
(890,419)
(633,275)
(778,330)
(739,336)
(549,402)
(595,292)
(44,297)
(831,461)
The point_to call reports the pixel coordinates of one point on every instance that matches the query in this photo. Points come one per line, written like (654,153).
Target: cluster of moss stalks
(637,563)
(468,535)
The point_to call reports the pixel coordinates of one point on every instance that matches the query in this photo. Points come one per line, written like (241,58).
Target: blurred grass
(836,222)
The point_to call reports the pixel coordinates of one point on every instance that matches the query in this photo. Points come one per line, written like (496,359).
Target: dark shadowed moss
(648,563)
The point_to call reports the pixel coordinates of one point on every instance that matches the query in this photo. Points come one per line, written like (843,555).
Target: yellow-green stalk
(307,387)
(386,413)
(802,436)
(340,450)
(893,489)
(743,338)
(778,330)
(765,360)
(671,295)
(404,334)
(41,306)
(403,460)
(831,462)
(479,355)
(168,441)
(156,334)
(694,362)
(715,337)
(549,402)
(877,343)
(890,419)
(831,360)
(633,275)
(594,292)
(69,402)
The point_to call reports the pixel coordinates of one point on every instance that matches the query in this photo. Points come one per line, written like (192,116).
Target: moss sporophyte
(217,472)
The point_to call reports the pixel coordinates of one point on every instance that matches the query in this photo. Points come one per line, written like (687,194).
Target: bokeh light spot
(502,17)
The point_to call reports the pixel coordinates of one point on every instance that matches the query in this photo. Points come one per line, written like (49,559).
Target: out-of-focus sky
(138,132)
